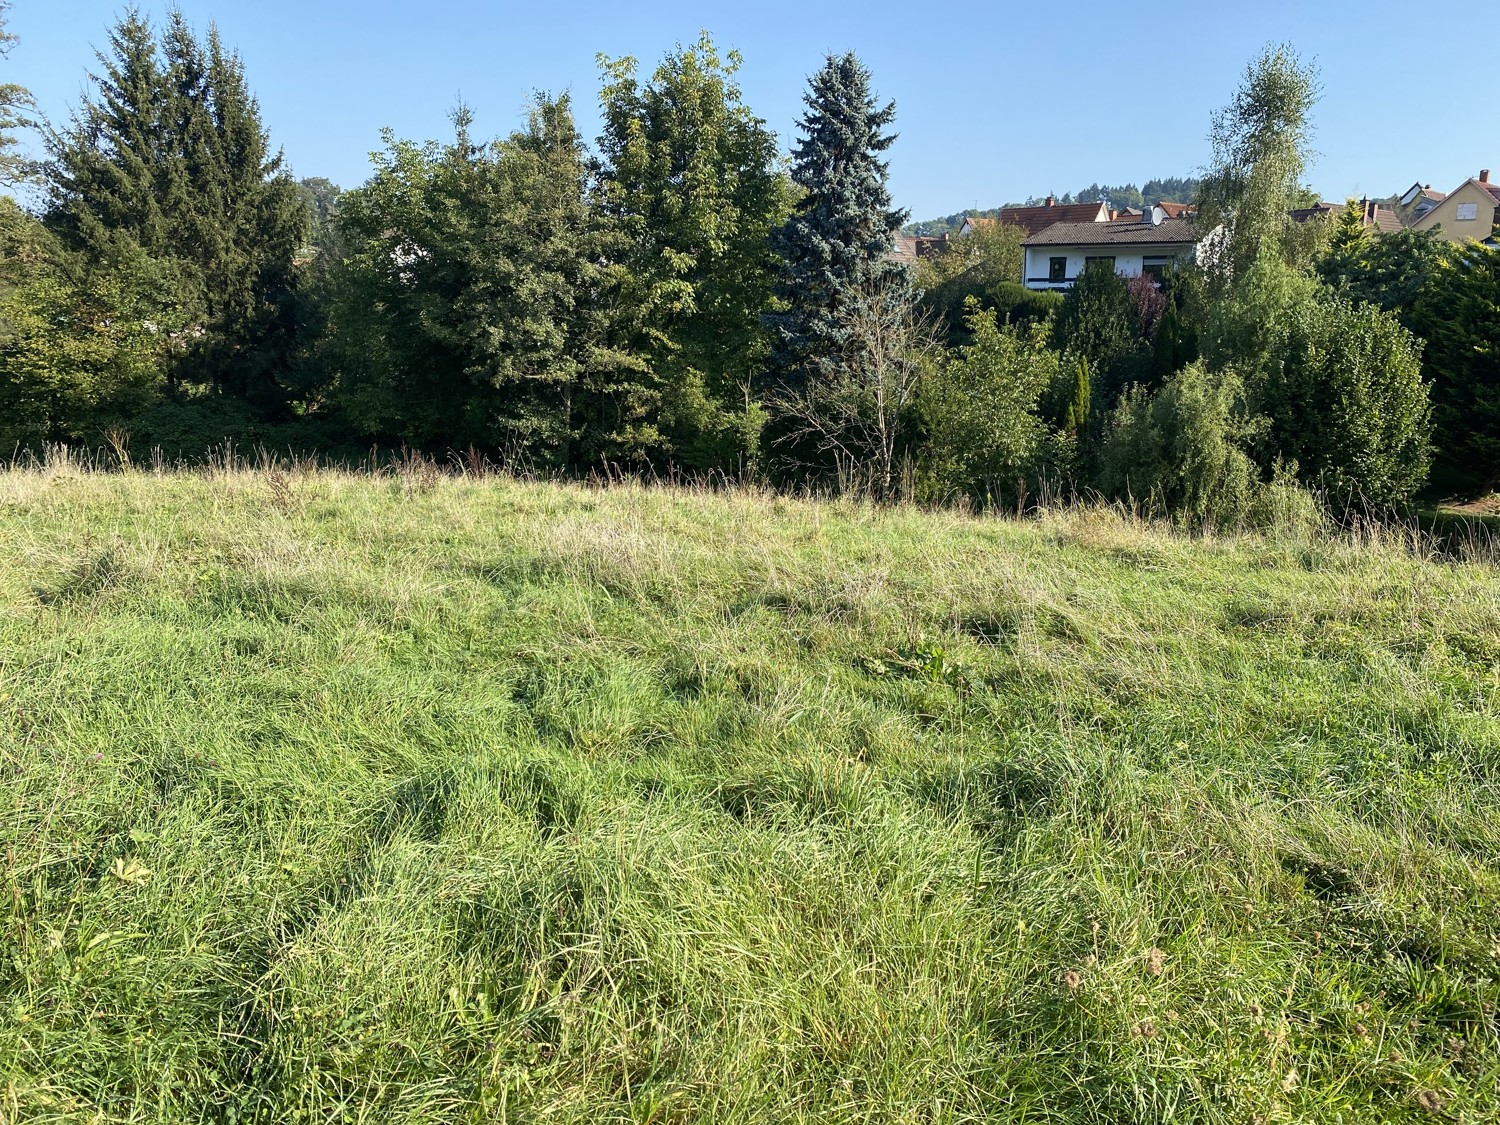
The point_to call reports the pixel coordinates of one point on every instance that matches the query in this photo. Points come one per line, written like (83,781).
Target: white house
(1148,244)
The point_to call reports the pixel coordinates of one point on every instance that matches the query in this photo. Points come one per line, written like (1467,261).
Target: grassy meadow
(418,799)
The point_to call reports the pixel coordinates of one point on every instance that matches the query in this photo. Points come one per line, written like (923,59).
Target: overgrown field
(332,798)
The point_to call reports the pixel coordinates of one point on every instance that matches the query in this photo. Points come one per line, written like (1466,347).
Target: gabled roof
(1383,219)
(1036,219)
(1131,232)
(1489,188)
(1177,210)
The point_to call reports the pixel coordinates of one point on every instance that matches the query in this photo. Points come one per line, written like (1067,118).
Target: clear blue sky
(993,104)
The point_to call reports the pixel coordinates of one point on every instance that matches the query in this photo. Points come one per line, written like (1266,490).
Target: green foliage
(982,264)
(319,197)
(691,176)
(1174,346)
(479,302)
(1097,316)
(165,176)
(1077,416)
(1390,271)
(1261,146)
(1100,321)
(1458,315)
(1339,383)
(1182,450)
(73,363)
(833,246)
(1018,305)
(985,438)
(15,101)
(851,424)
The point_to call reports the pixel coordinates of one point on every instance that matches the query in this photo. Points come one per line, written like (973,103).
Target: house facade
(1469,211)
(1417,200)
(1152,244)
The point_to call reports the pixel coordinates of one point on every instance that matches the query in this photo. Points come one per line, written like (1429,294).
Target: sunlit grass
(343,798)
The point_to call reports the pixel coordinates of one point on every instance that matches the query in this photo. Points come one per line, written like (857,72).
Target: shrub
(980,409)
(1339,384)
(1182,450)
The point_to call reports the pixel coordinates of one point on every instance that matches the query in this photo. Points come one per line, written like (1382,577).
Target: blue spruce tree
(833,248)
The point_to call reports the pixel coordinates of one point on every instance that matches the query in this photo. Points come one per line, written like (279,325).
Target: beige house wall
(1445,215)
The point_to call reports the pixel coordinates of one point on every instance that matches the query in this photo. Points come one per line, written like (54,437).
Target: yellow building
(1471,210)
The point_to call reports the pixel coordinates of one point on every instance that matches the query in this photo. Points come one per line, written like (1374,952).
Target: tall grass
(445,797)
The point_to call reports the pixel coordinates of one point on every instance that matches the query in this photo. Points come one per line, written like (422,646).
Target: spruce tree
(165,177)
(834,245)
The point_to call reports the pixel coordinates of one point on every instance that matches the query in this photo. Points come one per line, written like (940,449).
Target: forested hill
(1175,188)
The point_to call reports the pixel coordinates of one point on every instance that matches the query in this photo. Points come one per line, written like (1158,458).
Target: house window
(1103,262)
(1057,269)
(1157,268)
(1468,212)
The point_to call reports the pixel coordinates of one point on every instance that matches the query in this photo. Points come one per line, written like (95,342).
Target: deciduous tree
(690,175)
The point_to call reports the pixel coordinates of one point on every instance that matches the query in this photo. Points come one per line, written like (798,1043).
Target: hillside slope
(333,798)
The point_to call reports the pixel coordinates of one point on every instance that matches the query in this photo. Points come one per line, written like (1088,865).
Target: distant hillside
(1174,188)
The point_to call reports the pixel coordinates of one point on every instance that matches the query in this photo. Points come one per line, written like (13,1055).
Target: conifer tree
(833,247)
(165,177)
(480,302)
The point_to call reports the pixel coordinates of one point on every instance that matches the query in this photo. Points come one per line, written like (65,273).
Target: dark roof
(1302,214)
(1036,219)
(1383,219)
(1132,232)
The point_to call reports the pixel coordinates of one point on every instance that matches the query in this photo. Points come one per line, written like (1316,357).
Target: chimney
(1052,200)
(1484,176)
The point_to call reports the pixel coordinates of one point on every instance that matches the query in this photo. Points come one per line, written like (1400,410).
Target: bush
(1339,384)
(1459,316)
(985,438)
(71,365)
(1182,450)
(1023,307)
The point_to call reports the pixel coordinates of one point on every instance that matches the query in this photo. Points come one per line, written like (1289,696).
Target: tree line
(680,295)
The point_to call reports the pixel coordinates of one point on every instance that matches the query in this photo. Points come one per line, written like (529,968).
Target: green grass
(332,798)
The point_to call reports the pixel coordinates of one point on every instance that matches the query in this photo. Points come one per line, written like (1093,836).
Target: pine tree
(690,174)
(833,247)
